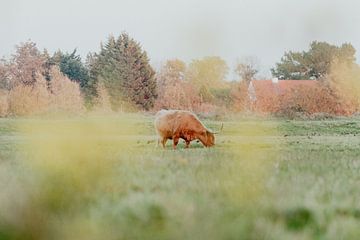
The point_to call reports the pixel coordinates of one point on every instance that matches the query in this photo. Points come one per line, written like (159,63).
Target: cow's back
(164,122)
(170,122)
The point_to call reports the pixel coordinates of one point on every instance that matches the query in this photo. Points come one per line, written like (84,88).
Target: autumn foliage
(319,97)
(32,82)
(4,105)
(26,91)
(240,97)
(308,101)
(199,86)
(29,99)
(338,93)
(175,91)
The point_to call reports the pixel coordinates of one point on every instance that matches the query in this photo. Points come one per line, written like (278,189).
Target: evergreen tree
(123,68)
(72,67)
(314,63)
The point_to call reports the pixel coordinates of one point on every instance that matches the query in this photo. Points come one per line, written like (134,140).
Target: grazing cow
(176,124)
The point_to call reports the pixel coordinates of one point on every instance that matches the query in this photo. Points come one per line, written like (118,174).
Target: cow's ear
(209,134)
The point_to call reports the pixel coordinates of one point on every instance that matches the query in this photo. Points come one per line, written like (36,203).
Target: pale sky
(184,29)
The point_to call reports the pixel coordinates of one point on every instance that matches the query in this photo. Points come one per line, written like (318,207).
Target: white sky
(184,29)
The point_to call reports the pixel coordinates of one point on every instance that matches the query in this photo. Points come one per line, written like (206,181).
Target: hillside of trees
(119,77)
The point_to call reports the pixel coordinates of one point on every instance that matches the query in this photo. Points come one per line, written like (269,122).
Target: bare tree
(247,68)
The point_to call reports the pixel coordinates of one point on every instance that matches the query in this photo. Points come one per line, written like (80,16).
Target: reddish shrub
(240,97)
(319,99)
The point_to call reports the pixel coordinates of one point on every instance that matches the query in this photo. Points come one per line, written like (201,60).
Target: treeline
(120,78)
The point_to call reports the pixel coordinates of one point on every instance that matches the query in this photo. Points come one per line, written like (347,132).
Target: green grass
(265,179)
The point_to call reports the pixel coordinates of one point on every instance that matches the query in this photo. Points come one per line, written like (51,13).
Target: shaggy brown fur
(176,124)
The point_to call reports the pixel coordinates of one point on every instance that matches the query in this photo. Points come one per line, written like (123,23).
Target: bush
(293,102)
(240,97)
(4,105)
(179,95)
(308,101)
(61,95)
(29,99)
(344,80)
(65,94)
(102,101)
(222,96)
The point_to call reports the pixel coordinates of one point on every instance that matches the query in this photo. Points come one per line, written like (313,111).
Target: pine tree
(124,70)
(70,65)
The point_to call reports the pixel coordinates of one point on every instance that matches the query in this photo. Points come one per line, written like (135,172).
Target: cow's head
(207,138)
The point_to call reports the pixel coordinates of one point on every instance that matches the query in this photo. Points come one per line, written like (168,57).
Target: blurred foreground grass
(103,178)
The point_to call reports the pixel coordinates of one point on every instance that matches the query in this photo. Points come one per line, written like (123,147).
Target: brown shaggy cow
(176,124)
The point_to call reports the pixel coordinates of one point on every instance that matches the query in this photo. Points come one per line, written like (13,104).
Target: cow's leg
(163,141)
(187,144)
(158,142)
(175,142)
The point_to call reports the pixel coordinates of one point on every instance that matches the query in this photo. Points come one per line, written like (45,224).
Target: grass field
(104,178)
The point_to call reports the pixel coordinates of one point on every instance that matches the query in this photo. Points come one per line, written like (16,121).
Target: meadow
(102,177)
